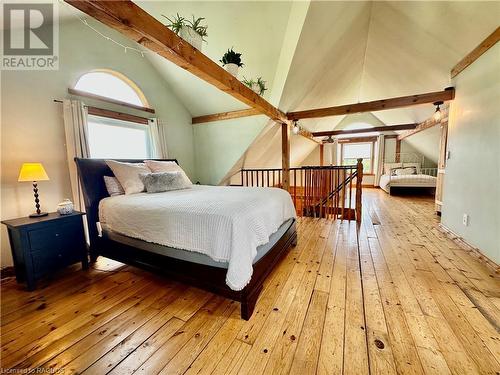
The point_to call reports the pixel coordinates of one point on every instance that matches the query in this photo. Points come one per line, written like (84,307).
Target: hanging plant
(190,30)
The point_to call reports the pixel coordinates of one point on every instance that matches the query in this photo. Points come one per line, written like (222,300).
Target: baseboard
(7,272)
(468,247)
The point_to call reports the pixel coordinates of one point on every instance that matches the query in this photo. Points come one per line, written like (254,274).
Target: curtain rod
(113,114)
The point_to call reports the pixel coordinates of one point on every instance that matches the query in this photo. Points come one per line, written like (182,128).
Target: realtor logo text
(30,35)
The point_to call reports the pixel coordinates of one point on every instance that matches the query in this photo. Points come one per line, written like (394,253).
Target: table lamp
(34,172)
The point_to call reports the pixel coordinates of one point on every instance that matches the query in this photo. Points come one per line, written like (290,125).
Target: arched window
(131,136)
(112,85)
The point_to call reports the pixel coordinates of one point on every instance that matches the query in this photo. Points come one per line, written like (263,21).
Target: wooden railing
(328,191)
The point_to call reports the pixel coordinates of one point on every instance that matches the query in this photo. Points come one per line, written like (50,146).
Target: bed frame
(212,279)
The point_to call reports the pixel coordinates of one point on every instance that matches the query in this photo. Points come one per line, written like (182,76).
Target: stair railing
(318,191)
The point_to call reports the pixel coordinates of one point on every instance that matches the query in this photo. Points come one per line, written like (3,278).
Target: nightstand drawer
(60,236)
(45,261)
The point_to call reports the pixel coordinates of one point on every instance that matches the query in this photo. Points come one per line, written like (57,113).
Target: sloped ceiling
(356,51)
(361,51)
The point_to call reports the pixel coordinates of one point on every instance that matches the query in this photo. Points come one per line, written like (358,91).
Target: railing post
(359,189)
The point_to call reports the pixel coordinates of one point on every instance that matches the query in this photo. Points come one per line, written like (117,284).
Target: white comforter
(225,223)
(411,180)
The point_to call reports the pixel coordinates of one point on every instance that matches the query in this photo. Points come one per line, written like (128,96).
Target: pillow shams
(128,175)
(405,171)
(113,186)
(163,181)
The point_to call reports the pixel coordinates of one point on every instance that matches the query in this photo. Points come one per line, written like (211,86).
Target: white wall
(472,180)
(32,127)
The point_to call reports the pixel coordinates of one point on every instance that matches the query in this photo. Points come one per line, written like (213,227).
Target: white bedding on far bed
(411,180)
(225,223)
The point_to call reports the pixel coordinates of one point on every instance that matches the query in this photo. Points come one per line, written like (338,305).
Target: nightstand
(45,244)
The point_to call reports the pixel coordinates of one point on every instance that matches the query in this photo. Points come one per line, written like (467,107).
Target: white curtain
(77,144)
(157,132)
(380,159)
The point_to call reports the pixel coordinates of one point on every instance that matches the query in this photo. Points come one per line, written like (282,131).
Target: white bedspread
(225,223)
(411,180)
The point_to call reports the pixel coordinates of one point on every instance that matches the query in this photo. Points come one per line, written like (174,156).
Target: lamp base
(39,215)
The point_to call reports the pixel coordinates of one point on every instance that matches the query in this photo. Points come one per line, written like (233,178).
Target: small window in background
(116,139)
(353,151)
(111,85)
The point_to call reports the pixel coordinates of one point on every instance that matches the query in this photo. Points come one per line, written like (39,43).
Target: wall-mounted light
(296,127)
(437,115)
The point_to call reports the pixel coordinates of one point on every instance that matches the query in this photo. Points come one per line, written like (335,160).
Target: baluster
(350,193)
(359,189)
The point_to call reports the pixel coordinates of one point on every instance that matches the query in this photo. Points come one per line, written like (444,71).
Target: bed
(223,239)
(407,176)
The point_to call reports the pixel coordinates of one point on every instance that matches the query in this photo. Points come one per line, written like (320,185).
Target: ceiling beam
(225,116)
(427,124)
(376,105)
(473,55)
(366,130)
(139,26)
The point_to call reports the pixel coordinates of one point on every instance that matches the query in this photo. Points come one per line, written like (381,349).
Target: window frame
(353,141)
(123,123)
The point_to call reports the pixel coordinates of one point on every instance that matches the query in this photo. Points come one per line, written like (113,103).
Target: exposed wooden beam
(321,154)
(366,130)
(376,105)
(136,24)
(429,123)
(473,55)
(225,116)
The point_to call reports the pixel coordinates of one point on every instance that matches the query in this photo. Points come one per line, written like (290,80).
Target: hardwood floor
(402,299)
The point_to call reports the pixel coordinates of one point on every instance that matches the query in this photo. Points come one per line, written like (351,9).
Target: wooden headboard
(91,173)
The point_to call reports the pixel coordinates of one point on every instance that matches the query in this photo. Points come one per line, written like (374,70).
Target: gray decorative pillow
(113,186)
(163,181)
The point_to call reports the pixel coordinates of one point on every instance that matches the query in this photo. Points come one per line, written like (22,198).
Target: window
(112,85)
(111,138)
(350,152)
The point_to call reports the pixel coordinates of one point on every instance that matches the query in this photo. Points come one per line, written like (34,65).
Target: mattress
(226,224)
(191,256)
(412,180)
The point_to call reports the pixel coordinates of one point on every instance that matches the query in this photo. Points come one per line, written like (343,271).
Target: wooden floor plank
(393,295)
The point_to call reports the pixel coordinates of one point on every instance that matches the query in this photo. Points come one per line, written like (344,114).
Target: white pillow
(389,166)
(113,186)
(416,165)
(128,175)
(167,166)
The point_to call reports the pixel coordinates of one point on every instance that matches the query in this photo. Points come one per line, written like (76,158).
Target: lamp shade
(32,172)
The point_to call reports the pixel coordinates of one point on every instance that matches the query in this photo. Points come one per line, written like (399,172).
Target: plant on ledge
(258,86)
(232,61)
(191,31)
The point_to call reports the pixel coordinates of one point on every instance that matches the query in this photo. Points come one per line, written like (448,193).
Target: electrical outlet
(465,220)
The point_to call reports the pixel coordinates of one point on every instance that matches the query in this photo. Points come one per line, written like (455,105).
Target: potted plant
(258,86)
(232,61)
(191,31)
